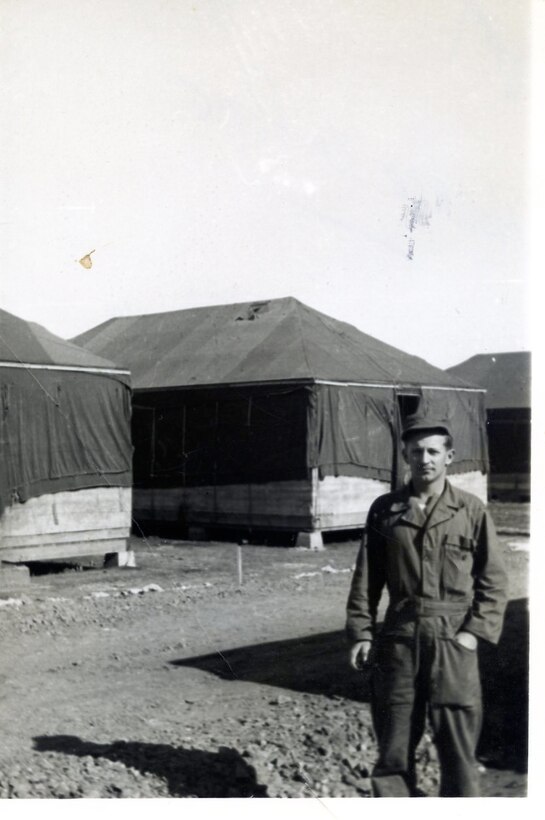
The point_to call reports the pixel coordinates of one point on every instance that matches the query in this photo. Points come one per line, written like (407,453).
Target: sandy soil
(172,680)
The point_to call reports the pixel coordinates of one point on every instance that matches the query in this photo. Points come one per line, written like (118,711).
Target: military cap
(419,421)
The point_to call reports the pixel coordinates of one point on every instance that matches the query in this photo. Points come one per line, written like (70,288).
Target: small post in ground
(239,564)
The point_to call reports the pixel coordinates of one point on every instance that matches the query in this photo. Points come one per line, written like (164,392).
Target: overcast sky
(368,157)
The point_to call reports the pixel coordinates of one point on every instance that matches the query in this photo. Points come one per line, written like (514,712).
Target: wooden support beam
(310,540)
(124,558)
(13,578)
(48,552)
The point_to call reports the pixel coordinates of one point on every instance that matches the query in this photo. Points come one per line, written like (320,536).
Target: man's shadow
(318,664)
(315,664)
(187,772)
(505,682)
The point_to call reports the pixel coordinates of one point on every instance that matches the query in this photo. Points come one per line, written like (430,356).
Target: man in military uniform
(434,549)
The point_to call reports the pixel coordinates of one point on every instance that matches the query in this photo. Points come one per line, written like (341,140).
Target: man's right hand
(359,654)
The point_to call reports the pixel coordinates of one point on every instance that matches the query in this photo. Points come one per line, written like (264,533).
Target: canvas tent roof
(505,376)
(25,342)
(276,340)
(65,415)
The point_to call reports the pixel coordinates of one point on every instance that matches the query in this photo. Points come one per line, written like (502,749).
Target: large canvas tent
(271,414)
(65,448)
(506,378)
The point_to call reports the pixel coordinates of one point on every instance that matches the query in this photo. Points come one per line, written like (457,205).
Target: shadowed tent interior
(507,380)
(65,428)
(273,414)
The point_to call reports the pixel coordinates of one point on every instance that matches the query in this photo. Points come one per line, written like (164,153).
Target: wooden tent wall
(65,525)
(301,501)
(331,503)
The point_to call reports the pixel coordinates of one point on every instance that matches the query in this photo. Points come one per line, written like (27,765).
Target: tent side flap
(351,431)
(62,430)
(258,434)
(466,413)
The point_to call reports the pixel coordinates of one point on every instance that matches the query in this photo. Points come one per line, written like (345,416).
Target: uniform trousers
(426,673)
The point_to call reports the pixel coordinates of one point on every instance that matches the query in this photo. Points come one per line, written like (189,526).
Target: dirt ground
(171,679)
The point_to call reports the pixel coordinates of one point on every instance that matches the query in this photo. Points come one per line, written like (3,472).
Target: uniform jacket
(450,554)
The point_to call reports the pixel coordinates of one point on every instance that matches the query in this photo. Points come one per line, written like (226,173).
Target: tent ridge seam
(65,367)
(399,386)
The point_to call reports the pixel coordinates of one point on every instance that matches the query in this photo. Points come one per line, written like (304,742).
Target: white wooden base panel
(331,503)
(49,552)
(69,524)
(282,505)
(342,502)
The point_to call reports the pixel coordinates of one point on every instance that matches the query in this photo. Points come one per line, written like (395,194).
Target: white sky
(220,151)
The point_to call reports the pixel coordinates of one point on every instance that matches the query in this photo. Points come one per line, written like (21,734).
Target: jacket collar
(450,501)
(445,507)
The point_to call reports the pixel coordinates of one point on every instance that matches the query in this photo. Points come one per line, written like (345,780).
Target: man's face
(427,457)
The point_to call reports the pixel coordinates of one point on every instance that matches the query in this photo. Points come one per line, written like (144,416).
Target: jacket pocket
(457,564)
(455,675)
